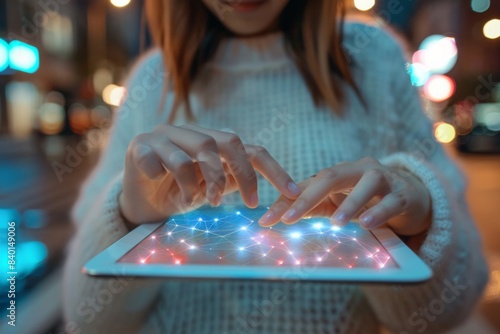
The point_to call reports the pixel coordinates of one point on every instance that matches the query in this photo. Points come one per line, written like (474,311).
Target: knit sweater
(253,88)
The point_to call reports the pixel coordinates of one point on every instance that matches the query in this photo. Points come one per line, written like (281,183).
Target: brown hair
(189,34)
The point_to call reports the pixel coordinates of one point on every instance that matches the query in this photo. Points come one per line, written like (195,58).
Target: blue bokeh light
(419,74)
(23,57)
(480,6)
(4,55)
(30,255)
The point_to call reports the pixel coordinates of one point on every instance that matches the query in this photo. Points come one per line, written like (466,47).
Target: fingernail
(290,214)
(188,201)
(368,221)
(294,188)
(336,223)
(218,200)
(340,218)
(212,199)
(268,216)
(254,199)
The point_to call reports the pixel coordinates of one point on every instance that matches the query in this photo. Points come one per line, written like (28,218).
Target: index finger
(237,160)
(266,165)
(334,179)
(243,160)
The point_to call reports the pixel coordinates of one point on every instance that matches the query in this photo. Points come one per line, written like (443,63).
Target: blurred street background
(62,68)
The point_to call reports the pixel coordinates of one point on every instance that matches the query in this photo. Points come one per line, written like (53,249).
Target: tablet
(228,243)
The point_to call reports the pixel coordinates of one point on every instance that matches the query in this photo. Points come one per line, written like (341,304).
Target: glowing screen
(223,236)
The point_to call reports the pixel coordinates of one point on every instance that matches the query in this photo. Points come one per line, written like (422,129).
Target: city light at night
(364,5)
(438,53)
(4,55)
(444,132)
(120,3)
(439,88)
(480,6)
(113,95)
(491,29)
(19,56)
(23,57)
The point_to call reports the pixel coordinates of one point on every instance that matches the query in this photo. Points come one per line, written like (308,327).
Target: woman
(283,88)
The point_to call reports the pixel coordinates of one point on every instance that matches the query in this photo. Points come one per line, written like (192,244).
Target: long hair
(188,34)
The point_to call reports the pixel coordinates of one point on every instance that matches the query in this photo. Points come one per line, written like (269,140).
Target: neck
(249,52)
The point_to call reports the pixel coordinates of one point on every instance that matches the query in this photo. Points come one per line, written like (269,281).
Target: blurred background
(62,67)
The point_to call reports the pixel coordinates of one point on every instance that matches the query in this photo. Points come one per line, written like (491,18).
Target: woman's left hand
(366,189)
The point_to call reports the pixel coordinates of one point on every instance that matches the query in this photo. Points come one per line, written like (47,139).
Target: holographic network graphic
(232,236)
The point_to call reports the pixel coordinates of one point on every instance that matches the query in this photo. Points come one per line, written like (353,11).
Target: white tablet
(228,243)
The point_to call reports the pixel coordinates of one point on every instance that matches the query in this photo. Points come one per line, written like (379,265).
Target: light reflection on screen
(223,236)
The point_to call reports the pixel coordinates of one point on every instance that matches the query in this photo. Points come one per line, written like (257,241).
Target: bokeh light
(438,53)
(51,114)
(364,5)
(102,78)
(51,118)
(58,34)
(30,255)
(480,6)
(120,3)
(419,74)
(444,132)
(488,115)
(79,118)
(23,99)
(113,95)
(439,88)
(23,57)
(491,29)
(492,121)
(418,57)
(4,55)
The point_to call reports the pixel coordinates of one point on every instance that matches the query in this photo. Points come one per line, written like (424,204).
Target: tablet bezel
(411,269)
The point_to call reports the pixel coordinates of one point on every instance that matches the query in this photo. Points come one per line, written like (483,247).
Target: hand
(375,193)
(174,169)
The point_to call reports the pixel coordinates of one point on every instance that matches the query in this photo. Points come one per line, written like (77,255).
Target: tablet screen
(224,236)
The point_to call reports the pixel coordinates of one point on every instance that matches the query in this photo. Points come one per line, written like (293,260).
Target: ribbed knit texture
(252,88)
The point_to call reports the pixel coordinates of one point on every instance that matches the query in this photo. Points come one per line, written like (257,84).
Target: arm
(98,304)
(451,246)
(153,174)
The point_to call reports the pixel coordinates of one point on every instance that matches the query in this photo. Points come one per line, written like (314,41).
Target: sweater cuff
(439,240)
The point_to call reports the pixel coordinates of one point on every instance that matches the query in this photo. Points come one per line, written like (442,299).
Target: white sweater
(253,88)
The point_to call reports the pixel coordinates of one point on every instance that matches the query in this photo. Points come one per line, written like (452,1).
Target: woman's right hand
(175,169)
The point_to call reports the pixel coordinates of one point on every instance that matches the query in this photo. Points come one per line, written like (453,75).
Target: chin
(248,17)
(249,26)
(250,30)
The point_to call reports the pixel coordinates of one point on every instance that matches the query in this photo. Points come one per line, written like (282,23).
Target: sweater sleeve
(97,305)
(452,247)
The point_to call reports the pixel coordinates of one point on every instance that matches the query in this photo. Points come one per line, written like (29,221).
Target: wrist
(426,203)
(416,221)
